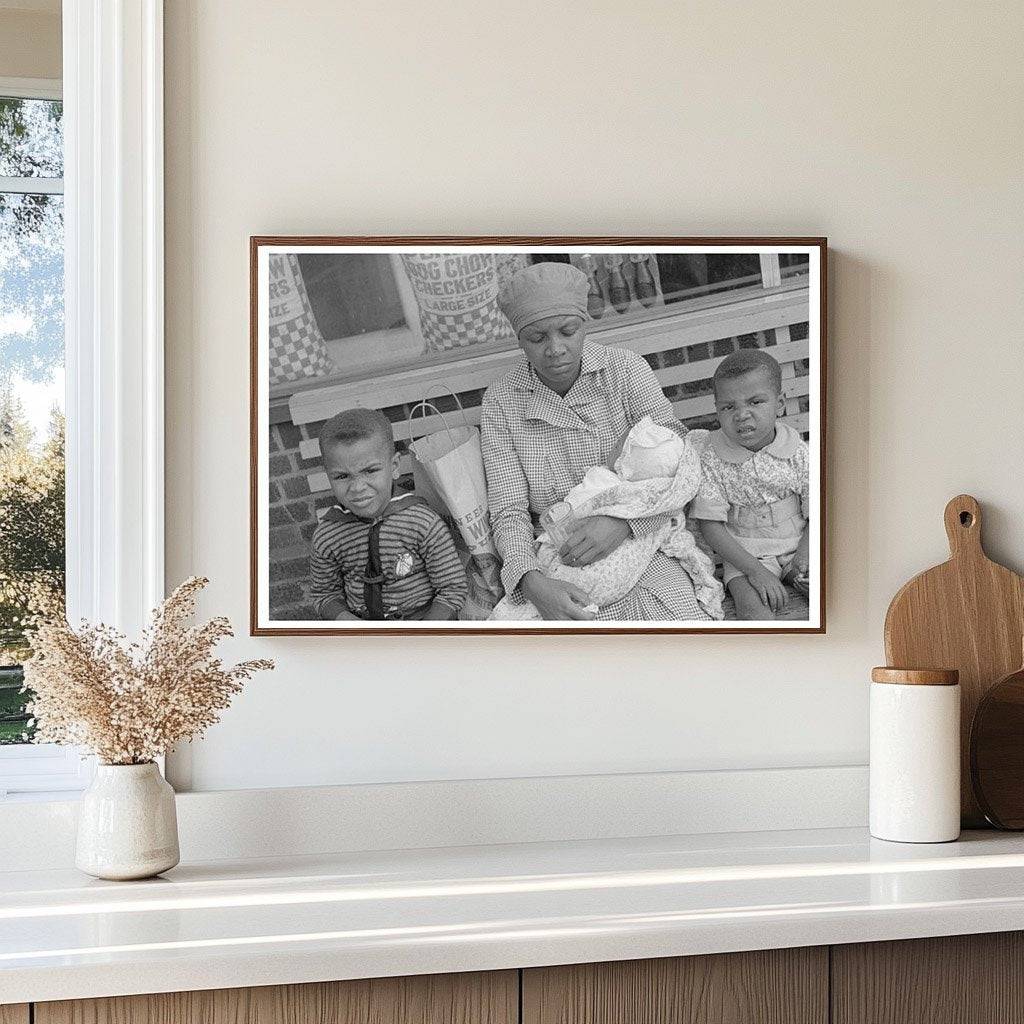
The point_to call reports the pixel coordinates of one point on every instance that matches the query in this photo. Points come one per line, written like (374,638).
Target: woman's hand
(594,538)
(556,599)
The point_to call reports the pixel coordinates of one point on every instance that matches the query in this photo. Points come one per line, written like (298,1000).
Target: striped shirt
(417,557)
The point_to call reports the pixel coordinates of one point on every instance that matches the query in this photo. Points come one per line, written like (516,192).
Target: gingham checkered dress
(537,445)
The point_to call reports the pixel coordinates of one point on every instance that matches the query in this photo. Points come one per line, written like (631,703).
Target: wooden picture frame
(710,297)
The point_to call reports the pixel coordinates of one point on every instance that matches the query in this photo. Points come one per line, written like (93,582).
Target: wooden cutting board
(967,614)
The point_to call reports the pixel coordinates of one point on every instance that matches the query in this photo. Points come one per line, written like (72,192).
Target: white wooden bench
(669,333)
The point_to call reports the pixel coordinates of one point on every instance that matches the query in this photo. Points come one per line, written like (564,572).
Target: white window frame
(114,326)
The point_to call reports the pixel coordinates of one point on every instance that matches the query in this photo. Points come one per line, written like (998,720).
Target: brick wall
(292,520)
(293,509)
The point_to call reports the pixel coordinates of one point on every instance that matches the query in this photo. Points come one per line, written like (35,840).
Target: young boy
(377,555)
(753,499)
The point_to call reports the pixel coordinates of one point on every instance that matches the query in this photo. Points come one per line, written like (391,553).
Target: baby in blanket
(656,473)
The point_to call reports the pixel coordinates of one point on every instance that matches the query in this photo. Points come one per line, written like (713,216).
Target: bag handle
(425,403)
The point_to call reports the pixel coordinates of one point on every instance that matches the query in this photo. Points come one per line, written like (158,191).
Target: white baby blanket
(612,577)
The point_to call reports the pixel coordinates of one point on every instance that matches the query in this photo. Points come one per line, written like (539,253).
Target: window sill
(44,771)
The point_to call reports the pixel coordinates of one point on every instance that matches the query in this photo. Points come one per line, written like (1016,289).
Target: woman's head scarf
(542,290)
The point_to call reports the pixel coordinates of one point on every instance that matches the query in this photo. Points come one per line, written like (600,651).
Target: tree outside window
(31,386)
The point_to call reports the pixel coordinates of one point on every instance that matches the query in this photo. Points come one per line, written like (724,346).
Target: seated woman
(560,410)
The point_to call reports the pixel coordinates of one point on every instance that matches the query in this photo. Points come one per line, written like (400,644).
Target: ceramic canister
(915,755)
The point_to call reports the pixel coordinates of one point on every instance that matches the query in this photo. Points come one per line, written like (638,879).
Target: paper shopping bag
(452,466)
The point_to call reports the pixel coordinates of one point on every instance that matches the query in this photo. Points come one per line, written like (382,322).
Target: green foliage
(31,347)
(32,551)
(32,508)
(30,138)
(14,727)
(30,147)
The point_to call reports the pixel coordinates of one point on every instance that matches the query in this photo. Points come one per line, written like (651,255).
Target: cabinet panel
(480,998)
(961,979)
(778,986)
(14,1013)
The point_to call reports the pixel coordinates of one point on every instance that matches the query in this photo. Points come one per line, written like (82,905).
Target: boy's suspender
(373,578)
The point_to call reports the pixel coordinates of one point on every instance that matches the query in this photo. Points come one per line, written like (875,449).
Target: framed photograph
(537,435)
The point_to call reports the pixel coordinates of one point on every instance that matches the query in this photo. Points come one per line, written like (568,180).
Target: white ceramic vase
(127,825)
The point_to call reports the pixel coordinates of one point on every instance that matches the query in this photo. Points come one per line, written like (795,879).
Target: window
(377,312)
(364,308)
(113,271)
(31,385)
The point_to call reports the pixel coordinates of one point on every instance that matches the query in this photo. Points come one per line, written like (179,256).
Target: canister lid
(916,676)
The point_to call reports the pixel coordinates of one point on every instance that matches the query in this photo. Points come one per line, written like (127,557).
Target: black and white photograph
(537,435)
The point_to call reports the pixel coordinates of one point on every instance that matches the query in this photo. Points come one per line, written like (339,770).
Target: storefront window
(352,294)
(363,314)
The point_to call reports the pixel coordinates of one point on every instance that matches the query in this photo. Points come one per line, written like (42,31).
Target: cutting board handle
(963,527)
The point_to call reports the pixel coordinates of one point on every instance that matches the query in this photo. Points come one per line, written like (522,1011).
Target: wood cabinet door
(776,986)
(960,979)
(14,1013)
(480,998)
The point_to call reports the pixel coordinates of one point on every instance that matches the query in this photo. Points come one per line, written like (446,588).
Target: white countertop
(261,922)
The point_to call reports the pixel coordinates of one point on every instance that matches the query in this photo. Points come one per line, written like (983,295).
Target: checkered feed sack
(457,295)
(297,348)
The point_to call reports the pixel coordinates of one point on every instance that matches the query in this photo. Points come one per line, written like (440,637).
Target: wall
(896,130)
(30,40)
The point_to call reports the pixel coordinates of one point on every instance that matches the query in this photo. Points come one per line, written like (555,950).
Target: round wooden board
(997,752)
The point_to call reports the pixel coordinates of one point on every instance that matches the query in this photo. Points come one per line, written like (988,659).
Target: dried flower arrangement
(130,703)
